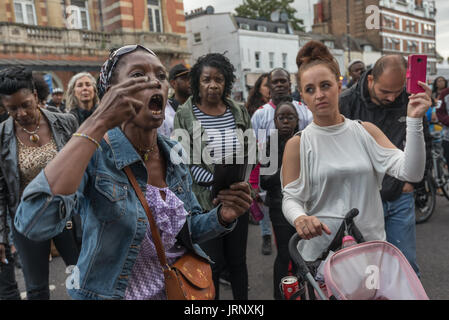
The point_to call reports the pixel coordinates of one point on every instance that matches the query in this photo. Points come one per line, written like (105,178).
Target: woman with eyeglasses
(29,139)
(286,124)
(118,259)
(81,96)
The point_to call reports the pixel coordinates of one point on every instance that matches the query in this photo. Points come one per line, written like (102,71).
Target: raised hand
(419,103)
(118,103)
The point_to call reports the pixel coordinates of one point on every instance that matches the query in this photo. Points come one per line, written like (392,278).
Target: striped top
(222,140)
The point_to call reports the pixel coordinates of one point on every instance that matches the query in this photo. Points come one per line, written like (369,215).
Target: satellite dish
(210,10)
(284,17)
(275,15)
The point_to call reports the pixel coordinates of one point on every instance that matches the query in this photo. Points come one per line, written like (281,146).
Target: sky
(305,12)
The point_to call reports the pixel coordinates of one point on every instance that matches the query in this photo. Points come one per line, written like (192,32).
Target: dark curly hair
(214,60)
(13,79)
(42,88)
(255,99)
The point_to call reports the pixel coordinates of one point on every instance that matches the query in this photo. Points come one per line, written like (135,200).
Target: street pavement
(432,252)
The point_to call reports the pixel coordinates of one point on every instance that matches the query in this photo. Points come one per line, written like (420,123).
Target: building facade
(392,26)
(253,46)
(63,37)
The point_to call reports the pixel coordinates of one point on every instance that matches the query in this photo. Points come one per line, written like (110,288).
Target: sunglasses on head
(127,49)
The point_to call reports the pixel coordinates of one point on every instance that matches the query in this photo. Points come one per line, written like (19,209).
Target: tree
(262,9)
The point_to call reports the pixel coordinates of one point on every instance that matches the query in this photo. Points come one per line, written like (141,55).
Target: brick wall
(174,17)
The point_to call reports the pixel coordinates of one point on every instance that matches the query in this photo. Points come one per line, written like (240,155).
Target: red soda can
(289,286)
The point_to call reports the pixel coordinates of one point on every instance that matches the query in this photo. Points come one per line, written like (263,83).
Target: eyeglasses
(127,49)
(289,118)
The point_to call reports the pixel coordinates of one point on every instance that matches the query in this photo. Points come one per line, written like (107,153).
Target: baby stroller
(374,270)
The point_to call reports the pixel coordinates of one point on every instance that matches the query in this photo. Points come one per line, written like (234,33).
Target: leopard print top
(32,160)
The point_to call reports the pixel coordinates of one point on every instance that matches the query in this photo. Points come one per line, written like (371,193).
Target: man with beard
(380,97)
(280,90)
(180,82)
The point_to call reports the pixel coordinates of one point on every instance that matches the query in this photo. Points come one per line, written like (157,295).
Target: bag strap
(154,231)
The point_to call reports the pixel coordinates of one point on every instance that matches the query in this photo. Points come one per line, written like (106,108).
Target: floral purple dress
(147,278)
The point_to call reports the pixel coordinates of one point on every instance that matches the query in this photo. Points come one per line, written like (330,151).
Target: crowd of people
(63,162)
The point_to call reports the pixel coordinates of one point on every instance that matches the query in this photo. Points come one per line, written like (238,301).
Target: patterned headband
(108,67)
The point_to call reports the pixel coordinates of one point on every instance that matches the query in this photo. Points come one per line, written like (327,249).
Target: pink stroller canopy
(374,270)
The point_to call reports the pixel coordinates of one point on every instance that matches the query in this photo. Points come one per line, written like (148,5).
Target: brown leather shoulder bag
(190,277)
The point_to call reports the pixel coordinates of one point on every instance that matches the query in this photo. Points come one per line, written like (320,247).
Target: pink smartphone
(416,71)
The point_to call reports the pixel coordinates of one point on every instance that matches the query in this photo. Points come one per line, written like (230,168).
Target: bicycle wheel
(425,200)
(444,177)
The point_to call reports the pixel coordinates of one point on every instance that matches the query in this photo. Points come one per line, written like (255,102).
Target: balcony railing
(13,34)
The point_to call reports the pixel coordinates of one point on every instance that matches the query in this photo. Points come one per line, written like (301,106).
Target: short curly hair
(214,60)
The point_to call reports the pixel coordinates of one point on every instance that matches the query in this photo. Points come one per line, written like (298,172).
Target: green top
(185,119)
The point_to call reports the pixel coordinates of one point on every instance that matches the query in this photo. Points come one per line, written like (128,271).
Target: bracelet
(83,135)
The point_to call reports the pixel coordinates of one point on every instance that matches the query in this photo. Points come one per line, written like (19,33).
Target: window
(24,12)
(428,29)
(271,59)
(429,48)
(282,30)
(262,28)
(244,26)
(80,15)
(367,48)
(197,37)
(412,46)
(257,58)
(389,22)
(154,15)
(284,60)
(388,43)
(329,44)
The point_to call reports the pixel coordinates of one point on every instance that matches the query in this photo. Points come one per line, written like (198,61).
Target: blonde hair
(72,101)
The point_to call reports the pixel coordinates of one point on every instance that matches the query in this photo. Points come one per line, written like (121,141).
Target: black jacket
(62,125)
(82,114)
(356,104)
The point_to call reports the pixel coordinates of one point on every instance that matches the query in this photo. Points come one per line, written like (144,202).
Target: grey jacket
(62,125)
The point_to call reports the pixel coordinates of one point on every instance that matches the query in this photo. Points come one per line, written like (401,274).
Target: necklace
(145,153)
(34,137)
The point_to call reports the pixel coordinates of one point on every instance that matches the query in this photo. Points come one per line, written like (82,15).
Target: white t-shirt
(167,126)
(263,118)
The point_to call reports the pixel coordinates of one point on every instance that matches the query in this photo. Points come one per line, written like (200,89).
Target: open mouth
(156,104)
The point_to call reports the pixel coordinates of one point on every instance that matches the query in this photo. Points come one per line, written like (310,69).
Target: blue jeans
(400,226)
(34,257)
(8,284)
(265,223)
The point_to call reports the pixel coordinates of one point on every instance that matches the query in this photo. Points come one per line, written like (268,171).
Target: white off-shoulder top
(342,167)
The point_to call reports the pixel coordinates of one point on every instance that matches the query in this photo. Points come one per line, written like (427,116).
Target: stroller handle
(301,264)
(294,240)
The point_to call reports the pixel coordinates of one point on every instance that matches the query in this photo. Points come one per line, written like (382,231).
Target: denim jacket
(62,127)
(114,221)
